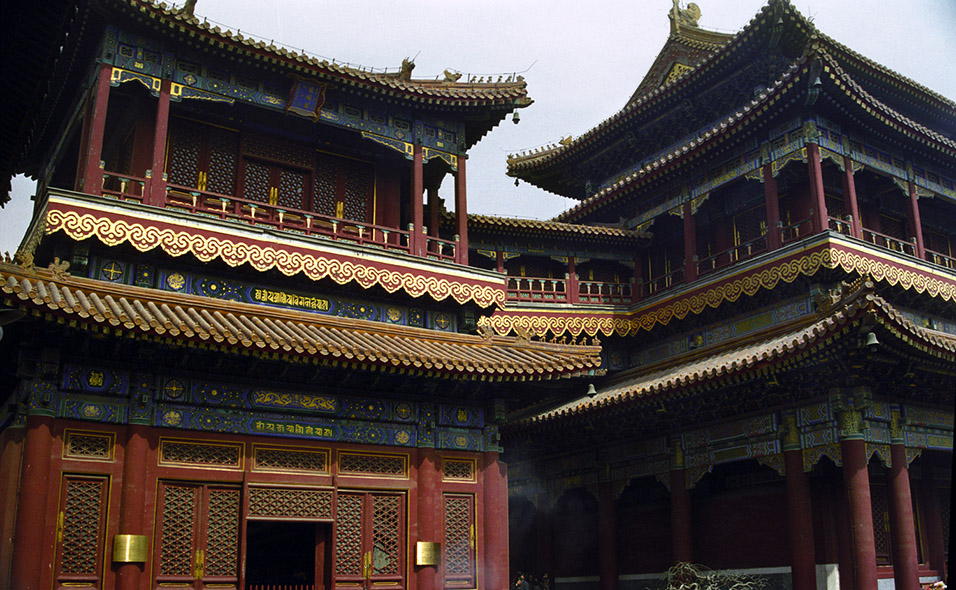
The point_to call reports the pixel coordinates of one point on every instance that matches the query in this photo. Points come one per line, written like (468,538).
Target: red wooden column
(429,501)
(157,190)
(574,291)
(916,226)
(461,212)
(856,477)
(932,522)
(905,557)
(817,195)
(417,239)
(680,508)
(500,261)
(30,531)
(545,525)
(803,571)
(91,179)
(496,522)
(772,204)
(849,191)
(690,245)
(607,529)
(132,500)
(637,290)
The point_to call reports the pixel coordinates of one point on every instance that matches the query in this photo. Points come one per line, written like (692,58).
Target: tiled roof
(738,360)
(237,326)
(490,222)
(499,91)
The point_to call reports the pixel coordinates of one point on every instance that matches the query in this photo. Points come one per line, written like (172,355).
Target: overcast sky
(582,61)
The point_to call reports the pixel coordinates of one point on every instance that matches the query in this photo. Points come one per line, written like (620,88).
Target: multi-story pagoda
(249,356)
(777,302)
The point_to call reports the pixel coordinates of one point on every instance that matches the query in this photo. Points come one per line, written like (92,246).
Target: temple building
(777,311)
(247,345)
(240,351)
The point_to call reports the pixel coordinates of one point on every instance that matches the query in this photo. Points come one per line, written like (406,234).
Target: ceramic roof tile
(742,358)
(551,226)
(158,313)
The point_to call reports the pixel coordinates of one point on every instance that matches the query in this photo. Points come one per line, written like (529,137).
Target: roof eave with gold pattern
(510,92)
(681,376)
(292,335)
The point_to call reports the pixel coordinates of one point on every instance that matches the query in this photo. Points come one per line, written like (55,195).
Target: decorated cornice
(81,217)
(827,251)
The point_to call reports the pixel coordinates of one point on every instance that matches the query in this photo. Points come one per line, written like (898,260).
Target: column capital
(790,432)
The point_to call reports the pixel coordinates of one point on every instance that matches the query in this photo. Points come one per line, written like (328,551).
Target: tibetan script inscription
(290,299)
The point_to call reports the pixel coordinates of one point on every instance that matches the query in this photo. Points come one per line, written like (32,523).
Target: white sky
(582,61)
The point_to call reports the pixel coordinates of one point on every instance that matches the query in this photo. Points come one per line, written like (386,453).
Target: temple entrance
(287,555)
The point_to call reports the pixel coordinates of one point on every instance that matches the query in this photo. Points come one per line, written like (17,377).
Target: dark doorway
(290,554)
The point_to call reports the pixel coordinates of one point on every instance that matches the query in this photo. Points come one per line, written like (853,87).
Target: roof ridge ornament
(686,17)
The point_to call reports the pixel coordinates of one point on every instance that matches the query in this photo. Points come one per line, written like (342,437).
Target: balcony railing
(604,292)
(124,187)
(797,230)
(844,226)
(940,259)
(889,242)
(288,218)
(537,289)
(664,282)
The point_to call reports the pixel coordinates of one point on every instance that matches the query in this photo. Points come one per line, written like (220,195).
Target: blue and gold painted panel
(144,275)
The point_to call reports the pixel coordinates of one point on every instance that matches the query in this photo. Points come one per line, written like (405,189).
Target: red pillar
(857,480)
(607,519)
(803,561)
(428,505)
(574,291)
(461,211)
(905,557)
(500,261)
(157,191)
(92,175)
(772,204)
(916,226)
(496,522)
(417,240)
(932,522)
(132,500)
(29,569)
(817,195)
(637,290)
(690,245)
(849,190)
(680,515)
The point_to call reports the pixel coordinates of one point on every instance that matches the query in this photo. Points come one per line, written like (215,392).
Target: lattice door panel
(256,184)
(197,535)
(292,185)
(81,527)
(459,545)
(184,153)
(325,185)
(370,540)
(750,225)
(881,522)
(222,159)
(203,157)
(359,184)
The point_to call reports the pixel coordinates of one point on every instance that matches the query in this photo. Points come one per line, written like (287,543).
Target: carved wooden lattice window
(83,445)
(458,469)
(945,511)
(370,539)
(268,459)
(197,538)
(276,185)
(203,157)
(344,188)
(459,546)
(196,453)
(81,527)
(290,503)
(881,522)
(381,465)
